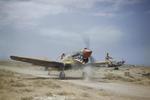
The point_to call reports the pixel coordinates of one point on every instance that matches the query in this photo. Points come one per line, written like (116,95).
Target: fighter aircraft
(76,60)
(110,62)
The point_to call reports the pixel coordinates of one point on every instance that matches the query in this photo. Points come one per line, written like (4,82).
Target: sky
(47,28)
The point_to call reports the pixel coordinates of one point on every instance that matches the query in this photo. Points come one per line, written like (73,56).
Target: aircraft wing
(39,62)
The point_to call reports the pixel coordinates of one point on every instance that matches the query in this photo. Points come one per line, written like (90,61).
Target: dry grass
(127,78)
(49,94)
(13,63)
(48,83)
(18,84)
(111,76)
(143,82)
(27,98)
(6,79)
(65,93)
(20,88)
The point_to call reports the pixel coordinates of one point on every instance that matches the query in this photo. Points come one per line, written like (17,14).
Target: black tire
(116,68)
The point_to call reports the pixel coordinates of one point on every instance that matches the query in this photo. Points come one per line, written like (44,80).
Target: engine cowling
(87,53)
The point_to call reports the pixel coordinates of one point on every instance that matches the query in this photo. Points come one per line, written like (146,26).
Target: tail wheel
(62,75)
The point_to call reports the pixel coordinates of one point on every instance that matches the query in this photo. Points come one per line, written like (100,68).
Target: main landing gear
(62,75)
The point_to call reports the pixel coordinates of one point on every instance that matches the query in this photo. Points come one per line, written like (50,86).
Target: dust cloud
(87,73)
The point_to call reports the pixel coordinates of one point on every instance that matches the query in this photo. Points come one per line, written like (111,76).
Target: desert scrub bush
(5,82)
(49,94)
(18,84)
(143,82)
(110,76)
(27,98)
(5,73)
(65,93)
(27,90)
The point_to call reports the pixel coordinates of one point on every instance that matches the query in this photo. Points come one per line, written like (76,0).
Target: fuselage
(78,59)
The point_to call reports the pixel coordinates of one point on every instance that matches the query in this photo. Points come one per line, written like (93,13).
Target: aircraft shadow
(57,78)
(70,78)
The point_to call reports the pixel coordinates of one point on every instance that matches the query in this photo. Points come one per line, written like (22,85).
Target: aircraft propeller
(86,40)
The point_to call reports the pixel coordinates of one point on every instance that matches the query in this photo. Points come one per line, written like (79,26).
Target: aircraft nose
(87,53)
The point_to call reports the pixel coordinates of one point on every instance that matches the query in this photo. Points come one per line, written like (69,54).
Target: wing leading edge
(53,64)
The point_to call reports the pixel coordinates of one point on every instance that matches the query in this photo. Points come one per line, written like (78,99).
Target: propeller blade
(86,41)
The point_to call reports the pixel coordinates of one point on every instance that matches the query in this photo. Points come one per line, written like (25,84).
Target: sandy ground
(21,81)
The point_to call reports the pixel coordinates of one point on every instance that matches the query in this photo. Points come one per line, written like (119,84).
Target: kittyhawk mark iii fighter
(75,60)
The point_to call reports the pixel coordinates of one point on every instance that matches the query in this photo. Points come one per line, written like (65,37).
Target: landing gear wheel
(116,68)
(62,75)
(49,73)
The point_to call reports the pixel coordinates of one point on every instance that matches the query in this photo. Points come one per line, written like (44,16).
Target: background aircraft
(110,62)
